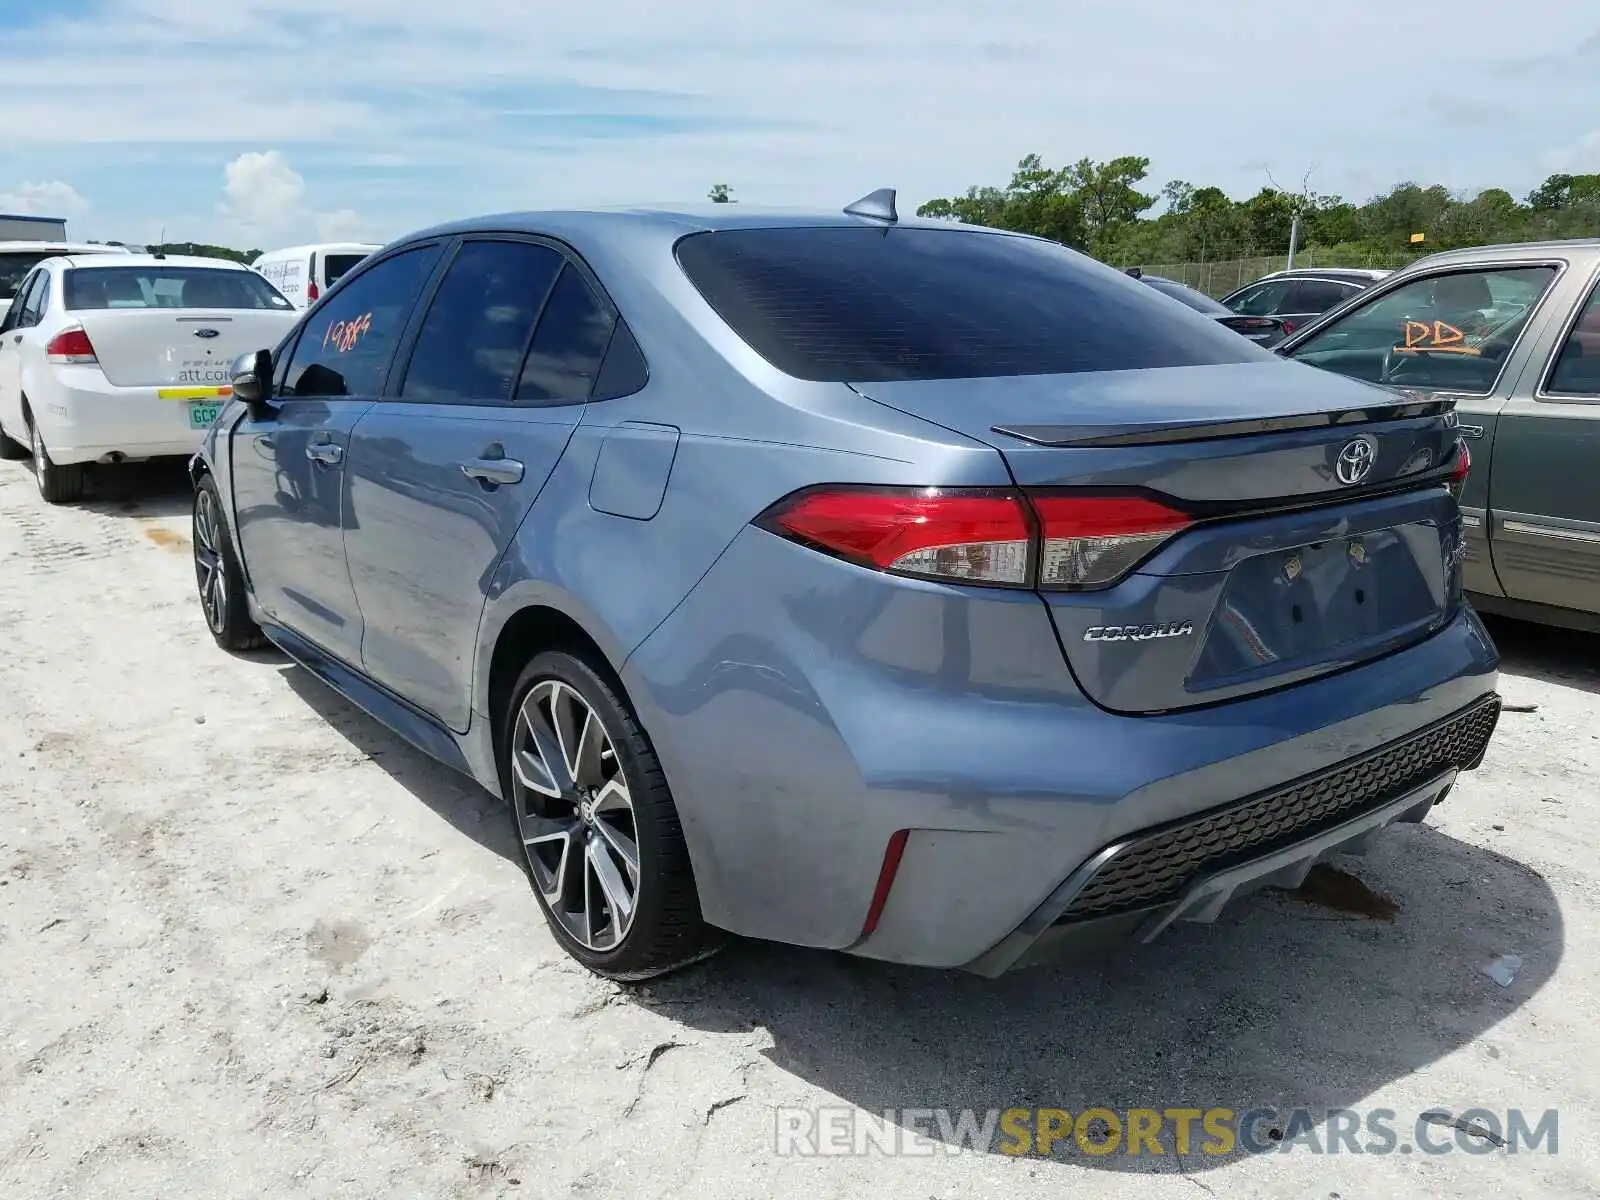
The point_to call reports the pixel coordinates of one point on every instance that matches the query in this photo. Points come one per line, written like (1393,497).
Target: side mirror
(252,377)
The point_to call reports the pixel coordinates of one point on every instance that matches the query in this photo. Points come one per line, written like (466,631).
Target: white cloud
(265,200)
(52,198)
(439,110)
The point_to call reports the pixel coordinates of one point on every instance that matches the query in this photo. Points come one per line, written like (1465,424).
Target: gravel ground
(252,945)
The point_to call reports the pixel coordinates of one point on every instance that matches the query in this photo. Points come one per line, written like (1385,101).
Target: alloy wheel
(210,574)
(576,815)
(41,460)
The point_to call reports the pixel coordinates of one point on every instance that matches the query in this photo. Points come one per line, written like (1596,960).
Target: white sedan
(109,364)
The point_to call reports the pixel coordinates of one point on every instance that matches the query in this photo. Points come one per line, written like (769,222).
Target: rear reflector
(70,347)
(1090,541)
(892,855)
(1047,539)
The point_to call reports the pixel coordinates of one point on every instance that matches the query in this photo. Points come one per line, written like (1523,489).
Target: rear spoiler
(1169,433)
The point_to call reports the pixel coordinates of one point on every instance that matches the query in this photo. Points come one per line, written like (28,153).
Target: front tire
(218,576)
(602,843)
(57,484)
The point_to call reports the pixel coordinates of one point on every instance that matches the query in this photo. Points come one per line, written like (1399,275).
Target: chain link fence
(1224,275)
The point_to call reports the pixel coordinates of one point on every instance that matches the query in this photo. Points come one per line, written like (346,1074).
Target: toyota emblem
(1355,461)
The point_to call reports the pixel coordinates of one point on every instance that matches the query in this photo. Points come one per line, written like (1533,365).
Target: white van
(303,273)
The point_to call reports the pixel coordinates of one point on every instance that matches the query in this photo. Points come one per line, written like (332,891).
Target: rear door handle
(325,452)
(493,470)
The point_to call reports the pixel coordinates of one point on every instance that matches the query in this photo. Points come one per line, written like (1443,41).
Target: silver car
(1512,335)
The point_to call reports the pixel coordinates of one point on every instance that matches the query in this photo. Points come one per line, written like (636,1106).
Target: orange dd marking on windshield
(1434,337)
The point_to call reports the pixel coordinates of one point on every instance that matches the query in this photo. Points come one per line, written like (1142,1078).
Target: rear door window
(473,339)
(1577,368)
(1452,330)
(336,266)
(1262,301)
(1315,296)
(916,303)
(345,346)
(569,344)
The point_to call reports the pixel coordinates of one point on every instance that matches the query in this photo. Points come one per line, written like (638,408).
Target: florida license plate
(203,412)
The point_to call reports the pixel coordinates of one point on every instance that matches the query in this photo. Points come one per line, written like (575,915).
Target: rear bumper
(84,419)
(806,711)
(1189,870)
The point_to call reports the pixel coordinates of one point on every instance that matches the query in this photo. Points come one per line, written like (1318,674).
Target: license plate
(202,413)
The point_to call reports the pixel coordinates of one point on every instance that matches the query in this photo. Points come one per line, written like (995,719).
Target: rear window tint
(14,268)
(336,266)
(1198,301)
(882,305)
(168,287)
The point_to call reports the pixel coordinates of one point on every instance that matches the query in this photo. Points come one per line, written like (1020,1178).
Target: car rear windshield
(168,287)
(335,266)
(882,305)
(1198,301)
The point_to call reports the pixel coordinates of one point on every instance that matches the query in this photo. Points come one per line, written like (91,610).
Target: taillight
(1090,541)
(70,347)
(1048,539)
(1463,465)
(312,291)
(1288,328)
(972,535)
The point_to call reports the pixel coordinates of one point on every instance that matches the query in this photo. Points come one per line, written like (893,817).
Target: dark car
(1297,297)
(1264,331)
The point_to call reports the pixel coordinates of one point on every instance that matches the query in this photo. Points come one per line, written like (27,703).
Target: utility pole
(1294,238)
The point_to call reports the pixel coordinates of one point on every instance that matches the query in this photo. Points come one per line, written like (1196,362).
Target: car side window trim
(1542,392)
(1384,287)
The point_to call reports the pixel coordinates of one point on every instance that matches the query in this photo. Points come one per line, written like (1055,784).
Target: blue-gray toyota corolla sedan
(931,593)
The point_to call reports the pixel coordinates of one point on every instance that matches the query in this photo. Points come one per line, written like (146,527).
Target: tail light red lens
(312,291)
(70,347)
(976,536)
(1458,473)
(1061,540)
(1288,328)
(1090,541)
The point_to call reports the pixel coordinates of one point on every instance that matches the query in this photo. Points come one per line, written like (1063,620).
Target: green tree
(721,193)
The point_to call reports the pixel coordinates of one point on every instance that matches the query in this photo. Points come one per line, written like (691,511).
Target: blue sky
(267,122)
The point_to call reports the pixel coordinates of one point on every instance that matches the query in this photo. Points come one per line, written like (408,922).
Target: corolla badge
(1138,633)
(205,333)
(1355,460)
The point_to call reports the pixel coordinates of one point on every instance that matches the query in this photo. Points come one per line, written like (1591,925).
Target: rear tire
(602,843)
(11,450)
(218,577)
(57,484)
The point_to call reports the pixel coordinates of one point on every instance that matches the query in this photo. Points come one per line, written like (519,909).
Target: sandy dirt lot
(252,945)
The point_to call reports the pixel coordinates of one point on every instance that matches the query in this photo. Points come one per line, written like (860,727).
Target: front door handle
(493,470)
(325,452)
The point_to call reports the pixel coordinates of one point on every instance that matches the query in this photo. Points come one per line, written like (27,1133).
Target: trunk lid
(1289,570)
(161,347)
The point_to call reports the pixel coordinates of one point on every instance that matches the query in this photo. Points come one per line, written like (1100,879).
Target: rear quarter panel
(746,436)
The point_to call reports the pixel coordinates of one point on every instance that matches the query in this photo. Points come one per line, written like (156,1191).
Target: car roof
(677,220)
(1342,274)
(165,260)
(311,247)
(1510,252)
